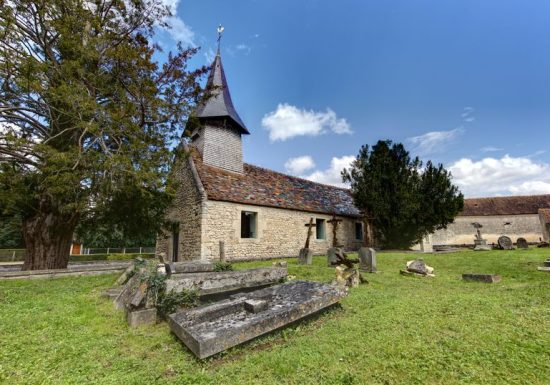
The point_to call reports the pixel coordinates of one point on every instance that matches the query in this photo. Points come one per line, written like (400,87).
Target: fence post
(107,250)
(140,249)
(13,256)
(124,250)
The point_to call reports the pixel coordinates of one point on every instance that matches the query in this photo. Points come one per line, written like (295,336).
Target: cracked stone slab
(210,329)
(225,281)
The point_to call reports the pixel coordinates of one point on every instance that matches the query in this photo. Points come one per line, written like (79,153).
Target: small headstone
(305,257)
(504,242)
(487,278)
(417,266)
(546,263)
(367,259)
(125,276)
(142,317)
(332,256)
(521,243)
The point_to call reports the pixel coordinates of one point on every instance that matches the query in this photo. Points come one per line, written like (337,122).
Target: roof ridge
(511,196)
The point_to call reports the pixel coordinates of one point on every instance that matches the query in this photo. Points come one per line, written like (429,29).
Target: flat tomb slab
(210,329)
(191,267)
(487,278)
(225,281)
(544,268)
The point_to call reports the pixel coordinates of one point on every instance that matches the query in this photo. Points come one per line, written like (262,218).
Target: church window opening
(359,231)
(320,228)
(248,224)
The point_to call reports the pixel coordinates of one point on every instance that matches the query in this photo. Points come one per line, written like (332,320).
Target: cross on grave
(334,223)
(309,226)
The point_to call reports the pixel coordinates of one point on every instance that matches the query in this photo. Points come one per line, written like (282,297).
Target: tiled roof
(505,205)
(261,187)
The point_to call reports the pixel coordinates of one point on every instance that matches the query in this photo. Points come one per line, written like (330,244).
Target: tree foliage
(402,200)
(87,117)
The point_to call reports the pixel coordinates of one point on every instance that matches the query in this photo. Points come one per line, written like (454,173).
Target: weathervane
(220,31)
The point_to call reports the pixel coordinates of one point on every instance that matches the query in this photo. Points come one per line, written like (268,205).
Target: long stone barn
(515,216)
(255,212)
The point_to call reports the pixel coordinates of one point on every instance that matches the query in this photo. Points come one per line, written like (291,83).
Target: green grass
(394,330)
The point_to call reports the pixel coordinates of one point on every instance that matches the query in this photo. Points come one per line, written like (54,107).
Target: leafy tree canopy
(87,118)
(402,200)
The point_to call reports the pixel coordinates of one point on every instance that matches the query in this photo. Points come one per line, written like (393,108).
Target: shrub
(223,266)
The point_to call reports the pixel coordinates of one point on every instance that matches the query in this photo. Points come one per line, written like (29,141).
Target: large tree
(402,200)
(87,117)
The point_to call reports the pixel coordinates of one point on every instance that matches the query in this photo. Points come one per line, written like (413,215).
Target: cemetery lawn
(394,330)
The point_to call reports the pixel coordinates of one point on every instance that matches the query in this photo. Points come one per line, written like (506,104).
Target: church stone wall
(186,210)
(461,232)
(280,232)
(221,147)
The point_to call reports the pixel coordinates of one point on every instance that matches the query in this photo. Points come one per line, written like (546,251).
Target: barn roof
(262,187)
(514,205)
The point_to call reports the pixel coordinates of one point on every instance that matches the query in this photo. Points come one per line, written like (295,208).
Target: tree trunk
(48,237)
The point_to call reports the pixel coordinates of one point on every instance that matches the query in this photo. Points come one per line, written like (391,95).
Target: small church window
(359,231)
(248,224)
(320,228)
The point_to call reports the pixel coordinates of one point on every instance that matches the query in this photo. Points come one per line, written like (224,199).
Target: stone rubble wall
(187,210)
(461,232)
(280,232)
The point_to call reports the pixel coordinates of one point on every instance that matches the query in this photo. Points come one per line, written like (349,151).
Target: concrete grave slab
(487,278)
(141,317)
(544,269)
(210,329)
(225,281)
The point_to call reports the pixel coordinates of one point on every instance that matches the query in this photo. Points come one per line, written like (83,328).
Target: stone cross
(309,226)
(334,223)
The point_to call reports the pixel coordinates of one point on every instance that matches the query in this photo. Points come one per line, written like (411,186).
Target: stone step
(210,329)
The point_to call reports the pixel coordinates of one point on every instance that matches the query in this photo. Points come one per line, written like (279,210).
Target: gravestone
(210,329)
(305,257)
(418,266)
(504,242)
(367,259)
(210,283)
(487,278)
(521,243)
(332,257)
(546,263)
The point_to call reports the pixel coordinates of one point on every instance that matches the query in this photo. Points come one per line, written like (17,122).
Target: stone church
(260,213)
(255,212)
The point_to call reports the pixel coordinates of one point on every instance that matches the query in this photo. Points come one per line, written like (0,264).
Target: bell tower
(218,133)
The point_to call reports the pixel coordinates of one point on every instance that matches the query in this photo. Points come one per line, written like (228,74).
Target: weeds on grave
(223,266)
(168,303)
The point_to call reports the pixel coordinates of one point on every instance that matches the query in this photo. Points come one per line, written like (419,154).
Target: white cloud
(300,164)
(179,31)
(491,149)
(243,48)
(332,175)
(468,115)
(289,121)
(209,55)
(505,176)
(435,141)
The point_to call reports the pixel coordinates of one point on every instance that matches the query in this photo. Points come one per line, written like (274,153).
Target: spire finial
(220,31)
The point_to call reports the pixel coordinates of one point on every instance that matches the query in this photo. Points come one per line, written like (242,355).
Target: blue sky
(465,83)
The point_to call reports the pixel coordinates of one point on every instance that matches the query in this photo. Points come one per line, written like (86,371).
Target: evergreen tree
(87,118)
(402,201)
